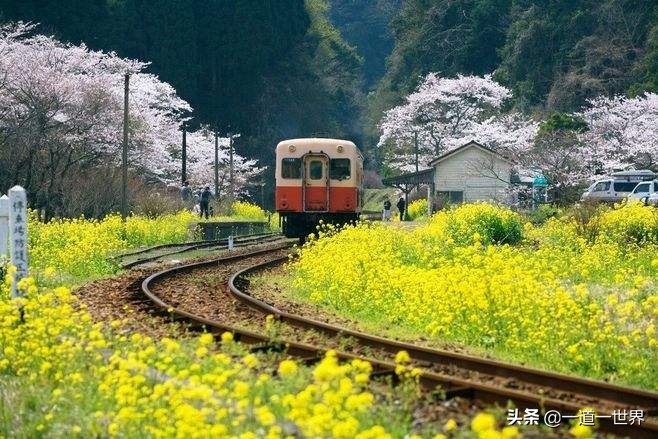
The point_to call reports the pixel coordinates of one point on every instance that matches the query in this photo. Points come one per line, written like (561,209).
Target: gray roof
(470,144)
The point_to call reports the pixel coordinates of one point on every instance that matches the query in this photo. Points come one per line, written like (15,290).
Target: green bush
(246,210)
(630,223)
(417,209)
(479,221)
(543,213)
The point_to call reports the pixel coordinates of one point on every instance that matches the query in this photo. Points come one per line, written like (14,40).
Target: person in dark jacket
(401,205)
(204,202)
(386,214)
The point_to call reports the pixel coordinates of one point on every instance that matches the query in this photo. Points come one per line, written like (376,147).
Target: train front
(317,179)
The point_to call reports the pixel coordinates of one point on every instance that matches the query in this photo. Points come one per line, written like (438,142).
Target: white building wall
(479,174)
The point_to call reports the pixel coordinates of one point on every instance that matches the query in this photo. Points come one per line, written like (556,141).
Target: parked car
(609,190)
(647,192)
(617,187)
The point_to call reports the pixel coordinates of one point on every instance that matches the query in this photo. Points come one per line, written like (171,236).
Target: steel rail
(239,241)
(450,385)
(179,244)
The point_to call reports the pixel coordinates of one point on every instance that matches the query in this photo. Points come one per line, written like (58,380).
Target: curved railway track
(239,241)
(456,374)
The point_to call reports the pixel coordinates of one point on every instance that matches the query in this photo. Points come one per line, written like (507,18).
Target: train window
(291,168)
(339,169)
(315,169)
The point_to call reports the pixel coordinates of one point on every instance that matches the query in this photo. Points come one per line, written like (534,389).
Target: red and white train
(317,179)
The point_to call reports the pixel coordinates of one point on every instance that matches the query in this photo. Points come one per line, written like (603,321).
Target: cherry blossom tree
(444,113)
(201,163)
(610,134)
(61,120)
(622,132)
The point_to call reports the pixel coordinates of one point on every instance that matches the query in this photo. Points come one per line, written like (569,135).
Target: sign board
(540,181)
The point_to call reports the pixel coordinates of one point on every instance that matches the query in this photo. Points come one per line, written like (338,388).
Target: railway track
(239,241)
(455,374)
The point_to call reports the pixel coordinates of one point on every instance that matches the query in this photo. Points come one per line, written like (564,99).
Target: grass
(373,199)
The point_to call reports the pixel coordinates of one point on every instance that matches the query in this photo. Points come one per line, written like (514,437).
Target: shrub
(417,209)
(587,217)
(245,210)
(543,213)
(486,222)
(630,223)
(155,204)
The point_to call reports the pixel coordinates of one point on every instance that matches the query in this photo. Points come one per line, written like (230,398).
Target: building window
(315,169)
(291,168)
(452,197)
(339,169)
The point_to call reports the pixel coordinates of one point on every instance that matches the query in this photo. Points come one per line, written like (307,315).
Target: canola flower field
(64,375)
(78,249)
(576,294)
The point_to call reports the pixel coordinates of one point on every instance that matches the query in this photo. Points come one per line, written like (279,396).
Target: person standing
(204,202)
(386,214)
(401,205)
(186,194)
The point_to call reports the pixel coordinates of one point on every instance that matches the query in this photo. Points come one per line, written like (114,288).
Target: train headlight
(340,148)
(291,148)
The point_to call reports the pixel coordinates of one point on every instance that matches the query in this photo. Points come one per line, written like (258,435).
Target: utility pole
(124,155)
(262,194)
(216,164)
(416,148)
(184,155)
(230,163)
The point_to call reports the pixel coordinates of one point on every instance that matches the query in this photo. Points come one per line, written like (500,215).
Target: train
(317,180)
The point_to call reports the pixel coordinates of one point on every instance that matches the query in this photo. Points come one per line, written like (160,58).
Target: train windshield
(291,168)
(339,169)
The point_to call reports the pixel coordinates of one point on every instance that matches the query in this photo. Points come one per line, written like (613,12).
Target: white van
(646,192)
(617,187)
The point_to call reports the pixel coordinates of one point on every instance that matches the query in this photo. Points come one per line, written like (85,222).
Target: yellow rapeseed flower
(483,422)
(581,431)
(287,367)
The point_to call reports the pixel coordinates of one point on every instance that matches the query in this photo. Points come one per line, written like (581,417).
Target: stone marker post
(18,235)
(230,242)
